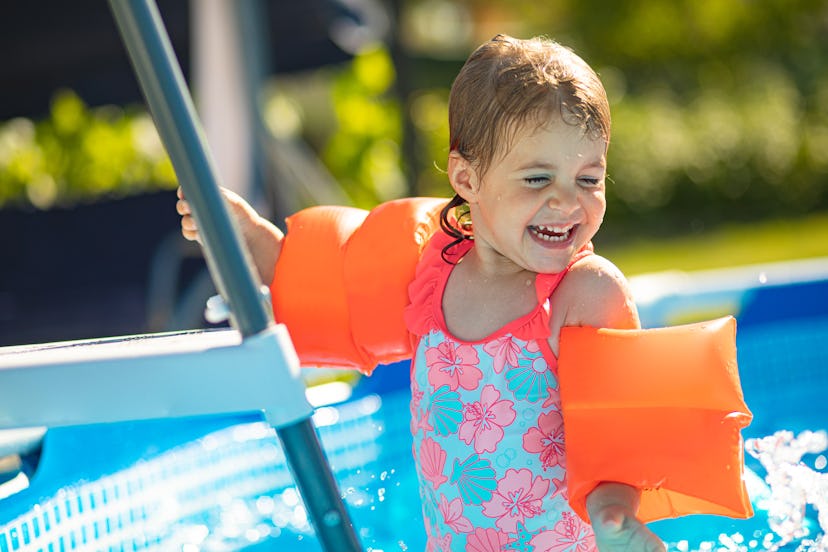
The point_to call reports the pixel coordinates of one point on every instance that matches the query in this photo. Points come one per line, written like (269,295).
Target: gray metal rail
(169,101)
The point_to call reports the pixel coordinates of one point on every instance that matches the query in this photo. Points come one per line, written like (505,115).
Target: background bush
(720,111)
(78,154)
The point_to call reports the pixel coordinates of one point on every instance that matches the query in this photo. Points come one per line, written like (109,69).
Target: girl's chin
(550,266)
(553,260)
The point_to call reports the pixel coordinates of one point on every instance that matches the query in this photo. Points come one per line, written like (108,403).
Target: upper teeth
(554,229)
(552,233)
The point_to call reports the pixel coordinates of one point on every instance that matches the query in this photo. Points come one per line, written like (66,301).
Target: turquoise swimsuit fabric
(487,427)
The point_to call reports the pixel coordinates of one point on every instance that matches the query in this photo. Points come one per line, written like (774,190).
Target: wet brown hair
(507,84)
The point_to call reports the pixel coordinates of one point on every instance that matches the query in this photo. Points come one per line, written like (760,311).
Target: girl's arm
(595,293)
(263,239)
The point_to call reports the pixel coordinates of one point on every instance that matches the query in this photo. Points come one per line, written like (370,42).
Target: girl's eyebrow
(597,164)
(537,165)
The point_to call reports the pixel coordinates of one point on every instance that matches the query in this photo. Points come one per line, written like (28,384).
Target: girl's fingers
(190,236)
(188,224)
(188,228)
(182,207)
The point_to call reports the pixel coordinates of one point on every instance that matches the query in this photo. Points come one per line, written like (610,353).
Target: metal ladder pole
(169,101)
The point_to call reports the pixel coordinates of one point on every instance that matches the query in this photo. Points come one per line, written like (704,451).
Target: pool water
(221,483)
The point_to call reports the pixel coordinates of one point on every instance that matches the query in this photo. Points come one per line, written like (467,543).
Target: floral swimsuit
(487,426)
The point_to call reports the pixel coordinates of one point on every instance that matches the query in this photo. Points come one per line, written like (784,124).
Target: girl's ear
(462,176)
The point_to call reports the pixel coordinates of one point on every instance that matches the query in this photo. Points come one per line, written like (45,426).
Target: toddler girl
(529,131)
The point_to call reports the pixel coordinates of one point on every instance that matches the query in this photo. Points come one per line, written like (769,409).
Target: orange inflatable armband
(657,409)
(341,281)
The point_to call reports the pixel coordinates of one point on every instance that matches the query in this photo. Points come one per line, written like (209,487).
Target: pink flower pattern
(483,421)
(453,515)
(453,364)
(504,352)
(570,534)
(519,496)
(547,439)
(490,458)
(518,475)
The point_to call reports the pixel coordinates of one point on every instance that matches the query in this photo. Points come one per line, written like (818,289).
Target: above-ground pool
(221,482)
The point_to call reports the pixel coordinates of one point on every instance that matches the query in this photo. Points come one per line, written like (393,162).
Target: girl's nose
(561,196)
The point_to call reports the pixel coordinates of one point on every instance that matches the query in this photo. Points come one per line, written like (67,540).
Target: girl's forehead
(556,125)
(555,138)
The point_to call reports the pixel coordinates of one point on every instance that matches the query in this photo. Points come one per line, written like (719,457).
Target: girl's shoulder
(596,293)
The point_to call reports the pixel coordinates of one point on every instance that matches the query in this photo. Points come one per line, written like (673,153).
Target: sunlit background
(719,153)
(719,160)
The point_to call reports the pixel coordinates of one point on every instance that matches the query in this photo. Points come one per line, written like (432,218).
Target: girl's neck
(491,265)
(482,297)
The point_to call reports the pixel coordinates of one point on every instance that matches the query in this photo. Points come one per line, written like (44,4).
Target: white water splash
(793,486)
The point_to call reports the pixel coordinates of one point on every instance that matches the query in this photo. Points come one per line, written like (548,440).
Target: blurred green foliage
(78,154)
(720,111)
(364,151)
(720,107)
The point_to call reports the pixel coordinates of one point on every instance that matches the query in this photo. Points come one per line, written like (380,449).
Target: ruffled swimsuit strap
(424,312)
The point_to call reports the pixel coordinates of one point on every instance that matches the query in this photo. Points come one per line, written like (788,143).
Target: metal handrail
(169,101)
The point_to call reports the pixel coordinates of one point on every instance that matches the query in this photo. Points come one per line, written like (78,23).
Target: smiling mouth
(552,233)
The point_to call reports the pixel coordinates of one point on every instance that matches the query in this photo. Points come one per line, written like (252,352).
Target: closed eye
(536,181)
(589,181)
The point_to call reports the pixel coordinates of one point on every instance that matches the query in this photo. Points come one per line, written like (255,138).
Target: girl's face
(539,204)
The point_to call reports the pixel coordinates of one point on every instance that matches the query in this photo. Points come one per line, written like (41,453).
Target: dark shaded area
(82,272)
(53,44)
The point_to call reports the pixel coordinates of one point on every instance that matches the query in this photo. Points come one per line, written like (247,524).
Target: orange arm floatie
(341,281)
(660,410)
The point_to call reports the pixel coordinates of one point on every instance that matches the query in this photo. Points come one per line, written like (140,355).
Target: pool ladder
(252,366)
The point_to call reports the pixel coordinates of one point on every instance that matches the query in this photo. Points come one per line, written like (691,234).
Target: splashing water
(232,490)
(794,486)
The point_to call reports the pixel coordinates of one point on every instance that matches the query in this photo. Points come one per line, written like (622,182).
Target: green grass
(766,242)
